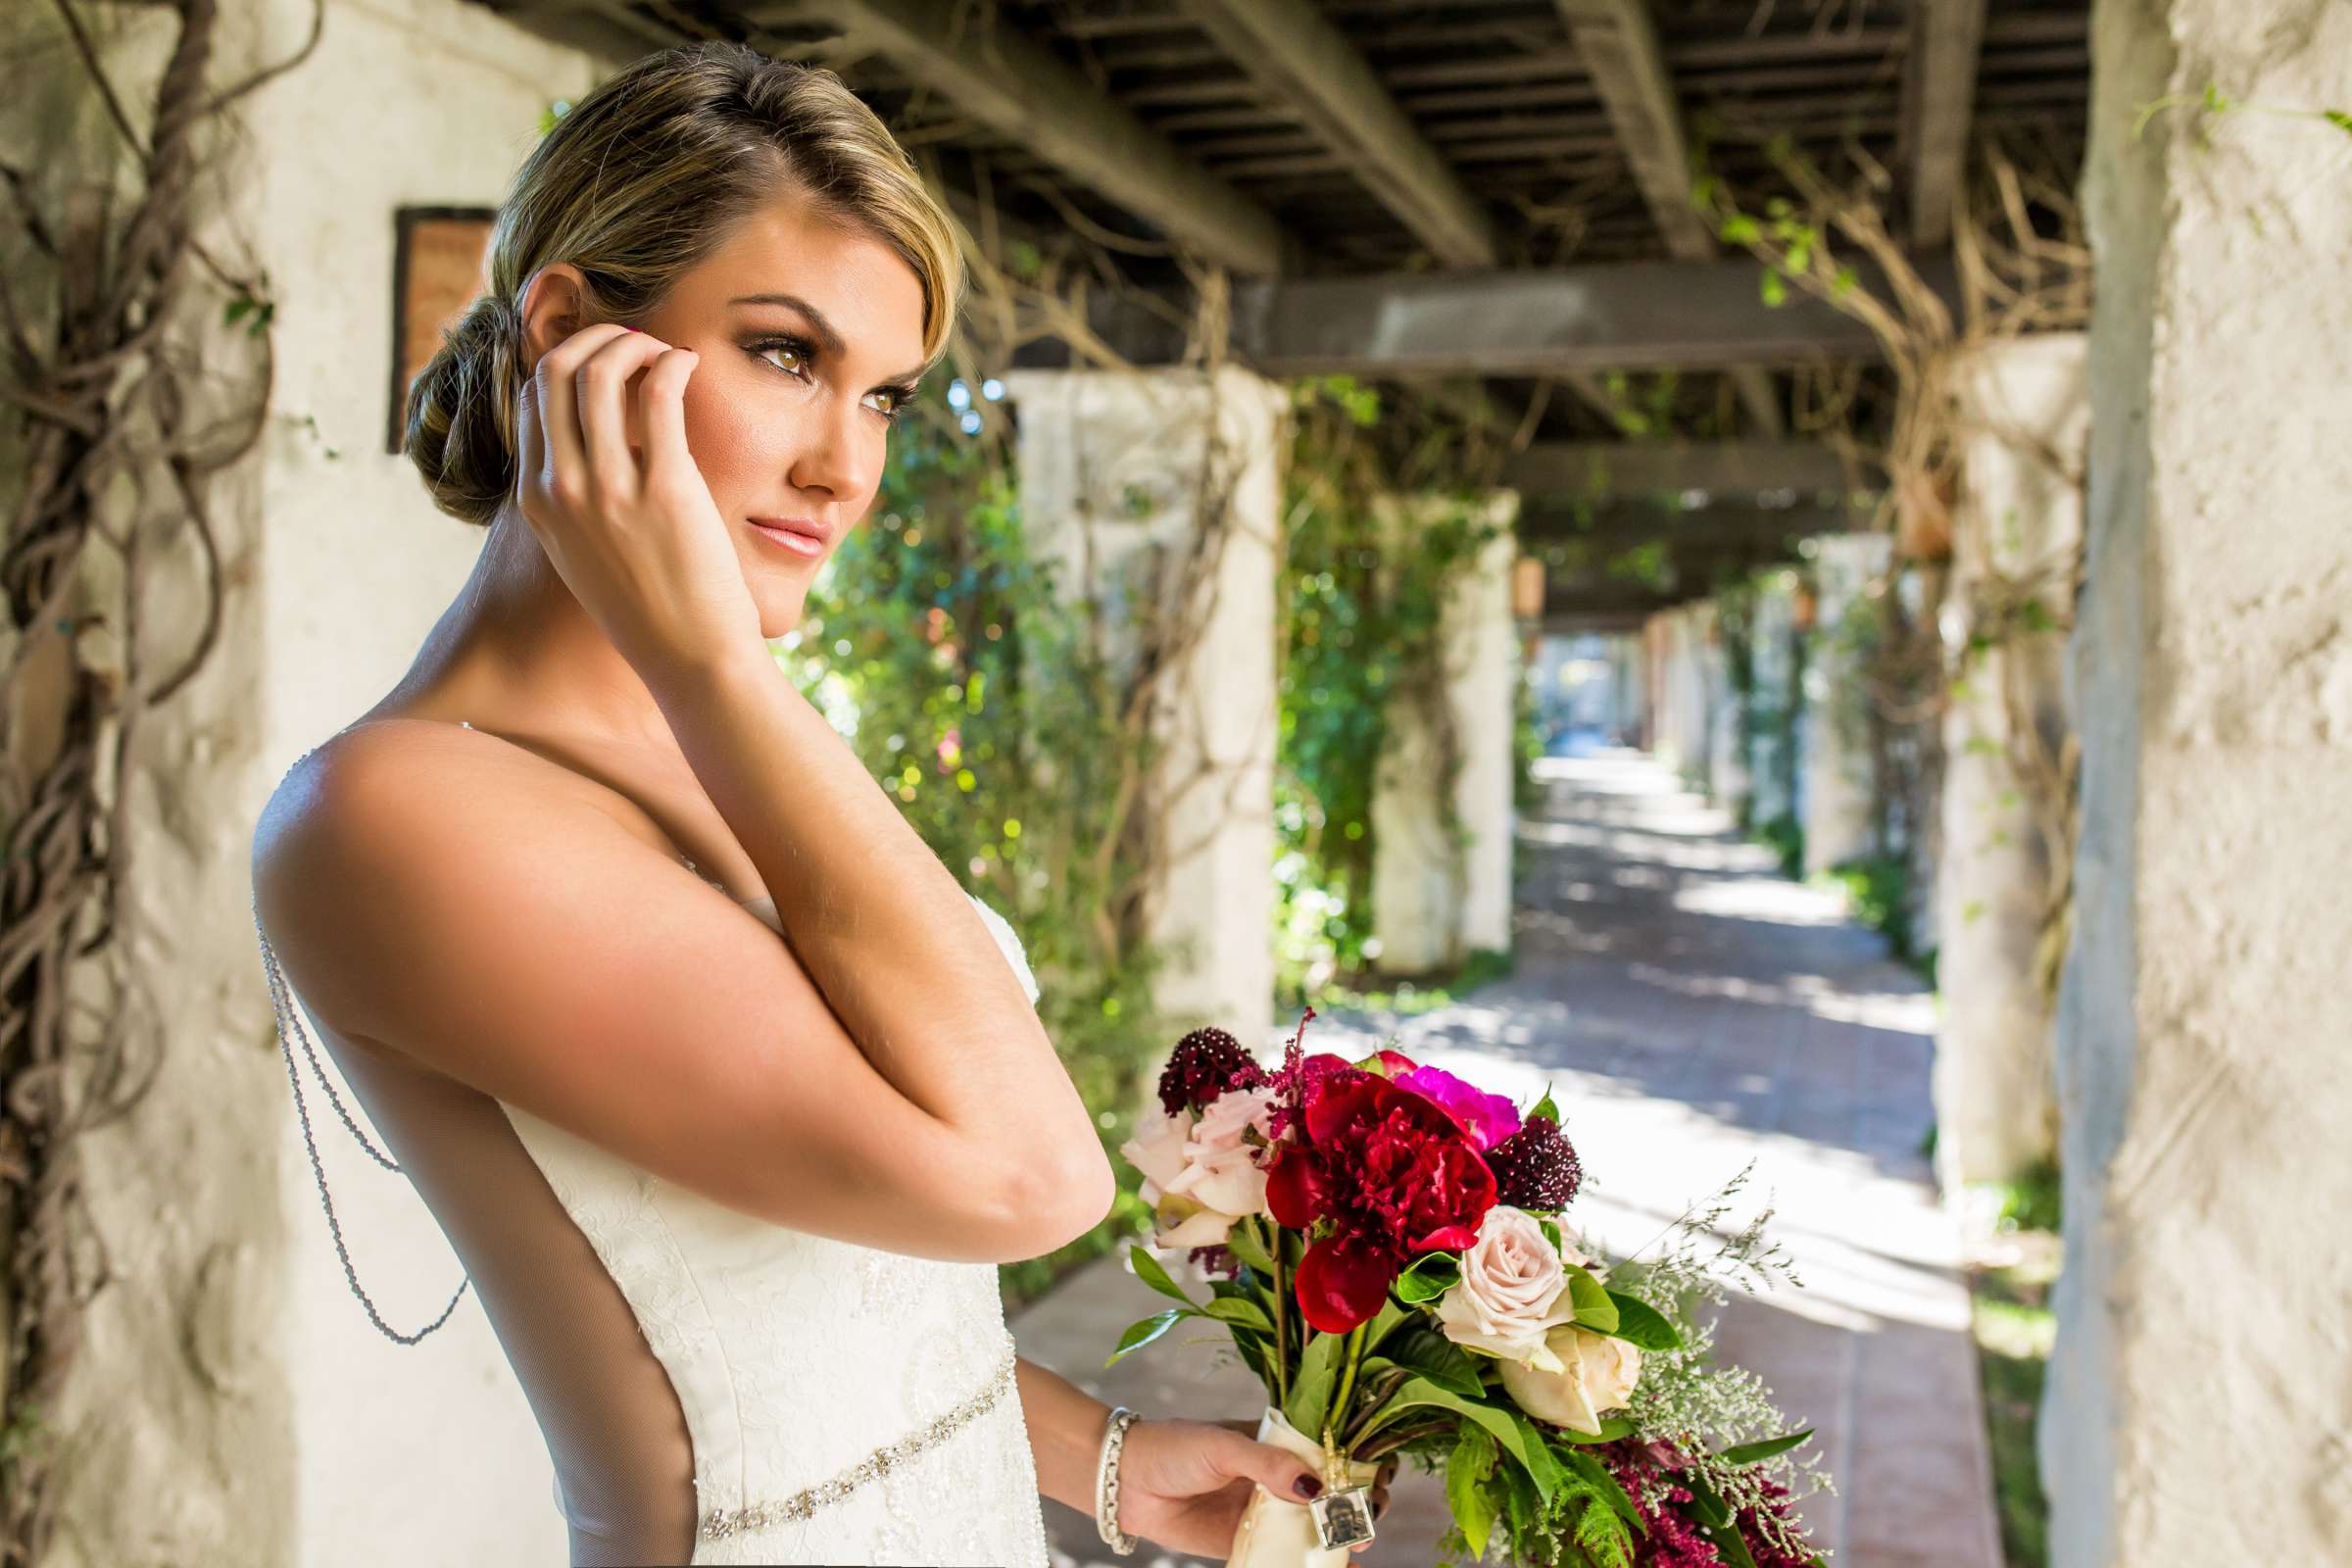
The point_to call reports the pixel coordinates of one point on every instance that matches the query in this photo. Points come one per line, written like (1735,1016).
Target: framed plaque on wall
(436,272)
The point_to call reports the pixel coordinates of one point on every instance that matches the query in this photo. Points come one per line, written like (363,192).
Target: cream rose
(1199,1173)
(1513,1289)
(1598,1374)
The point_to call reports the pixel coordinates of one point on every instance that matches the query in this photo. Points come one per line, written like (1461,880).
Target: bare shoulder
(404,775)
(431,820)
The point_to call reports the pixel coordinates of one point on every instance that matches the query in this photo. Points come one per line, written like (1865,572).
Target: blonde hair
(641,181)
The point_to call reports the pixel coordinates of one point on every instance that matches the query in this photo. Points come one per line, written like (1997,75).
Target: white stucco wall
(1091,442)
(2025,407)
(1836,757)
(2197,1404)
(236,1406)
(1423,917)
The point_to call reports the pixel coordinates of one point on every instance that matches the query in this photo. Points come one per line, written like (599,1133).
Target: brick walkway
(1693,1011)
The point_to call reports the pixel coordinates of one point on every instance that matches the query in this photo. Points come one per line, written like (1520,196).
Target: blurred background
(1775,566)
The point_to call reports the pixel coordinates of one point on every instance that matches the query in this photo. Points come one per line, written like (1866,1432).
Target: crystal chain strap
(281,1003)
(720,1523)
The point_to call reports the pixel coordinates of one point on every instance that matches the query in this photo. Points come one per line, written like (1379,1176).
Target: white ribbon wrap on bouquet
(1278,1532)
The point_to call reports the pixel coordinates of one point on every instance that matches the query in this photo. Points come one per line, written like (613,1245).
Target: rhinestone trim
(720,1523)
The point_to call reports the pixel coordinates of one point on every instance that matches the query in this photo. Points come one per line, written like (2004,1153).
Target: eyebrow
(830,339)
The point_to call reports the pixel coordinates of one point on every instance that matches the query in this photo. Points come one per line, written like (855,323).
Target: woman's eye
(792,349)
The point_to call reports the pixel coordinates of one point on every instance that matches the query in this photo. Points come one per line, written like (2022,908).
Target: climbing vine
(1386,509)
(136,360)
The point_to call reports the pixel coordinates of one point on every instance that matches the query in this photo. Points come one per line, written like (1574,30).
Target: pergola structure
(1493,194)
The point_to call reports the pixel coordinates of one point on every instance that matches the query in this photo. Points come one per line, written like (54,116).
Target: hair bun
(461,414)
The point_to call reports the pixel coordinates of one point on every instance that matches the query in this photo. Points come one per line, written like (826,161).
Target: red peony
(1392,1173)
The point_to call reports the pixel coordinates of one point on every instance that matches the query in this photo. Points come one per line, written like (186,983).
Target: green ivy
(1359,633)
(941,650)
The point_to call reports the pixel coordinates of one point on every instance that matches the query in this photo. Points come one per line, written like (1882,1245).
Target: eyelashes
(900,394)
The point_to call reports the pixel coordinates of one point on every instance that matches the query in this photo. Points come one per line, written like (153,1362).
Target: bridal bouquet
(1384,1245)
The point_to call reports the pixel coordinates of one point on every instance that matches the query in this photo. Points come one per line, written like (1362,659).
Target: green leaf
(1612,1427)
(1432,1275)
(236,310)
(1243,1244)
(1143,1333)
(1596,1307)
(1312,1382)
(1642,1325)
(1508,1427)
(1148,1269)
(1596,1475)
(1438,1358)
(1392,1312)
(1775,289)
(1544,1106)
(1742,229)
(1466,1496)
(2339,118)
(1242,1310)
(1706,1507)
(1750,1452)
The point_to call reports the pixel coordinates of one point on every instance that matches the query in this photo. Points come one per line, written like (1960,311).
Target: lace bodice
(795,1355)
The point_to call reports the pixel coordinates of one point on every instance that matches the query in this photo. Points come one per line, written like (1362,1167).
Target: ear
(554,305)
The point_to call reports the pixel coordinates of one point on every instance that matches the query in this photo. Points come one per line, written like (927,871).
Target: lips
(808,527)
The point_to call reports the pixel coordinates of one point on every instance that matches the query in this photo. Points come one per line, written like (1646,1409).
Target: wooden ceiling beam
(1623,316)
(1596,469)
(1299,59)
(1939,89)
(1619,42)
(1020,90)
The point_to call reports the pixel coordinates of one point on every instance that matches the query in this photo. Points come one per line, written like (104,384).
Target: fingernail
(1307,1487)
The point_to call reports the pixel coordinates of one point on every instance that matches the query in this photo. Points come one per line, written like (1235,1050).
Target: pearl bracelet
(1106,1483)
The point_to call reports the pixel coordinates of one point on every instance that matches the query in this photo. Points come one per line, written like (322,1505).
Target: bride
(733,1204)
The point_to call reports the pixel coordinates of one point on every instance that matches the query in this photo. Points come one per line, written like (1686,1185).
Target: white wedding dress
(795,1356)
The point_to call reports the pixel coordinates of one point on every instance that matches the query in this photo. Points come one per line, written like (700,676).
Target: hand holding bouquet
(1386,1249)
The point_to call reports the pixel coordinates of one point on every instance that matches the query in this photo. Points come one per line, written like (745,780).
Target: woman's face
(810,336)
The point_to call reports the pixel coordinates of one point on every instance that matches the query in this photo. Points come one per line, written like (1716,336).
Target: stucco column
(1436,900)
(2196,1410)
(2026,410)
(1836,760)
(1112,492)
(1773,666)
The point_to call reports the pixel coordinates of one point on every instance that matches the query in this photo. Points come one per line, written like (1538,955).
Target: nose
(838,457)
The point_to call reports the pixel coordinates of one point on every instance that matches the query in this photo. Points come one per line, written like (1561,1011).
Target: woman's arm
(884,928)
(1183,1485)
(1065,1433)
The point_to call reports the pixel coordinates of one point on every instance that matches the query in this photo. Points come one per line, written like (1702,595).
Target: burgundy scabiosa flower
(1203,1065)
(1535,1168)
(1391,1173)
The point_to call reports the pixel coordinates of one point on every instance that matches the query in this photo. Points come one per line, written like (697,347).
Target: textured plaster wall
(2197,1411)
(2025,405)
(1423,917)
(234,1405)
(1837,755)
(1109,468)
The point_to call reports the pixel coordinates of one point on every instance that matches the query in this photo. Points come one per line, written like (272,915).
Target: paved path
(1693,1011)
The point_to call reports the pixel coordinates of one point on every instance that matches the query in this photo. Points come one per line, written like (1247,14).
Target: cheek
(729,444)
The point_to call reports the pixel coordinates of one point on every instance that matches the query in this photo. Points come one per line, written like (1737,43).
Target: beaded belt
(722,1522)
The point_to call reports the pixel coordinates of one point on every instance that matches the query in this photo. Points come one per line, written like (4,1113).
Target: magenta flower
(1487,1119)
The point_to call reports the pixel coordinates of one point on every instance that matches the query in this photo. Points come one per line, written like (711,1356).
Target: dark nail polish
(1307,1487)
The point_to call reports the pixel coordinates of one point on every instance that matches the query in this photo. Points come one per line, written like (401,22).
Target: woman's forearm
(882,928)
(1065,1433)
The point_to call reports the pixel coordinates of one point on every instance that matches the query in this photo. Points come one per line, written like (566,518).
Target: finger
(558,396)
(604,387)
(530,438)
(1277,1470)
(661,407)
